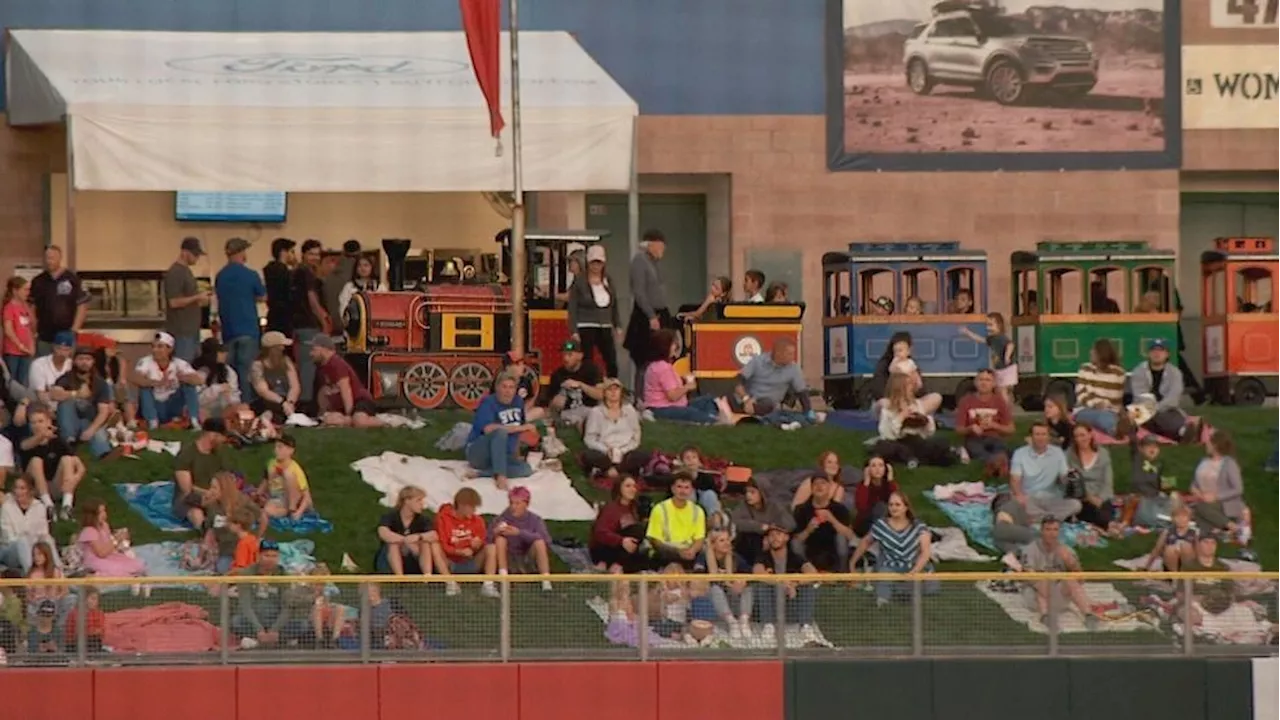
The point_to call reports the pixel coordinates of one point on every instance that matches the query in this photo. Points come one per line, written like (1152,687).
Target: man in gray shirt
(766,380)
(184,301)
(650,294)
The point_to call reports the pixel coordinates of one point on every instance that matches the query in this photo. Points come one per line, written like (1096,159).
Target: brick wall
(782,196)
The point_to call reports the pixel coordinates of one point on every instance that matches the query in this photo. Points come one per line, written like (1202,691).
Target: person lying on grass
(285,491)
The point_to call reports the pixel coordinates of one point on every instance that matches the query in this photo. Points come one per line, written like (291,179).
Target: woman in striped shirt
(1100,391)
(905,547)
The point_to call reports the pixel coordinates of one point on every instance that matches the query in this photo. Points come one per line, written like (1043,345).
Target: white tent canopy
(316,112)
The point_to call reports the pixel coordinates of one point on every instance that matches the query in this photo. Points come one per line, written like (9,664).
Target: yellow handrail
(652,577)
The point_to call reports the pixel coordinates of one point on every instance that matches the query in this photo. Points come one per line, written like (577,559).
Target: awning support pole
(69,242)
(518,260)
(633,193)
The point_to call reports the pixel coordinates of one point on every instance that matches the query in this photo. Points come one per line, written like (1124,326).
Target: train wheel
(425,385)
(468,383)
(533,377)
(1250,391)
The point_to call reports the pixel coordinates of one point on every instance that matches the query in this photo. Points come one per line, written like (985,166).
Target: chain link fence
(346,619)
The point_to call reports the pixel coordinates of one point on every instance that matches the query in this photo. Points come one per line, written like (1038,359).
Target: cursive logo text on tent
(317,65)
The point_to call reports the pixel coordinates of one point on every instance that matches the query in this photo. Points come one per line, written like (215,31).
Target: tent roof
(316,111)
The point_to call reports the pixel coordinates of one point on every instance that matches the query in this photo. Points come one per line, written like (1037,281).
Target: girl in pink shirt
(18,343)
(666,394)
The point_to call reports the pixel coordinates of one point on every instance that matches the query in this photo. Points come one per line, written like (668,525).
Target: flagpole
(518,260)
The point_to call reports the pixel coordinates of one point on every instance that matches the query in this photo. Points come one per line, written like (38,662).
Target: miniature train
(1066,296)
(443,342)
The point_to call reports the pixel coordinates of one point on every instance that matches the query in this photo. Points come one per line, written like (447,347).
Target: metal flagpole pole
(518,260)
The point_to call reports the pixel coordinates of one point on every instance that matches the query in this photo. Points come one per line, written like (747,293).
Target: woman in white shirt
(364,277)
(24,523)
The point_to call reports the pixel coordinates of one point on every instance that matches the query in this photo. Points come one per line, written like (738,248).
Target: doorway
(682,218)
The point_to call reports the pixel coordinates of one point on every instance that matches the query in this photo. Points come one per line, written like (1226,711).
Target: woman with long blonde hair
(904,413)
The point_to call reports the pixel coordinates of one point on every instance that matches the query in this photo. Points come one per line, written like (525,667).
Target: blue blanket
(154,501)
(975,519)
(866,421)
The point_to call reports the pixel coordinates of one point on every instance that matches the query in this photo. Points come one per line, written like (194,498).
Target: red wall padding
(744,690)
(587,691)
(307,692)
(450,691)
(536,691)
(54,694)
(164,693)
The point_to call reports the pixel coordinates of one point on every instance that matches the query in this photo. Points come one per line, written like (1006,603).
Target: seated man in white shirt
(47,369)
(167,385)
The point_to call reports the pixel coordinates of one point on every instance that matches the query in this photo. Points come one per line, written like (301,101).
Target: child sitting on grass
(241,524)
(286,490)
(95,623)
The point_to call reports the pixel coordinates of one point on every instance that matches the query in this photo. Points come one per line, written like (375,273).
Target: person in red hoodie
(871,498)
(461,550)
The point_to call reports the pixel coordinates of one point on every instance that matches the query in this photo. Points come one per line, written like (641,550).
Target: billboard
(1230,87)
(1003,85)
(1233,14)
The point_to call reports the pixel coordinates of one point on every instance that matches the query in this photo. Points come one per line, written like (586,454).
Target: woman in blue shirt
(905,547)
(494,443)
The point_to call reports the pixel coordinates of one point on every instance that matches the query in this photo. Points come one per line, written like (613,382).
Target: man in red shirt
(984,420)
(341,398)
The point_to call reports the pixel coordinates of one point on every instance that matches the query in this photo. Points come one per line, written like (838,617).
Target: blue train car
(927,289)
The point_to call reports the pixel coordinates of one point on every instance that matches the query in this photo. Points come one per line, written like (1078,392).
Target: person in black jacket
(277,275)
(593,312)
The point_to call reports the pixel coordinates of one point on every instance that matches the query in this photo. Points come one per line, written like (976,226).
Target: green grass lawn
(561,620)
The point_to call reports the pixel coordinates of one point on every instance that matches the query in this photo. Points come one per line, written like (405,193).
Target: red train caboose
(1239,327)
(443,343)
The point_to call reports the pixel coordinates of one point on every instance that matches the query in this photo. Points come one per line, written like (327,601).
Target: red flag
(482,22)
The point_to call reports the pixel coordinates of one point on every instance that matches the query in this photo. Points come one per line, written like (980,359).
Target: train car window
(1026,293)
(922,283)
(875,283)
(1254,288)
(1108,291)
(1151,290)
(961,283)
(838,301)
(1215,300)
(1066,291)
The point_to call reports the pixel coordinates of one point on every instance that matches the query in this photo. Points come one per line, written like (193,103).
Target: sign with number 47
(1242,13)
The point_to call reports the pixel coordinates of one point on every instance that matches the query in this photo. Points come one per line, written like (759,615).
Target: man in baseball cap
(575,386)
(184,300)
(1160,379)
(239,289)
(167,385)
(342,399)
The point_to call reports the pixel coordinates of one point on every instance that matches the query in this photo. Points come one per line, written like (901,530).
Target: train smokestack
(396,250)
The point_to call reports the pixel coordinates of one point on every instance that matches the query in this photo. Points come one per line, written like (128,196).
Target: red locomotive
(441,333)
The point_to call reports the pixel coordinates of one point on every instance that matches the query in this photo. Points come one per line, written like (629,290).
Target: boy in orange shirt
(241,523)
(461,549)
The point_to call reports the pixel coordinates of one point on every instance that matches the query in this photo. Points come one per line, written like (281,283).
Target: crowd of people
(676,516)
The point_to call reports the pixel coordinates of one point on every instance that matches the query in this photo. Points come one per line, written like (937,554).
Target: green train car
(1068,295)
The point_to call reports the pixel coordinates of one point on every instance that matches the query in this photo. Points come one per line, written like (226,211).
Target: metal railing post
(917,618)
(1053,618)
(1188,627)
(82,625)
(642,620)
(780,617)
(504,620)
(366,624)
(224,623)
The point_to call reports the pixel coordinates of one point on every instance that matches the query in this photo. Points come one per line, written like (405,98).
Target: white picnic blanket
(1120,619)
(553,495)
(955,547)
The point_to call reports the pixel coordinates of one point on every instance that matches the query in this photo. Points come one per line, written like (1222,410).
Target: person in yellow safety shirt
(677,526)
